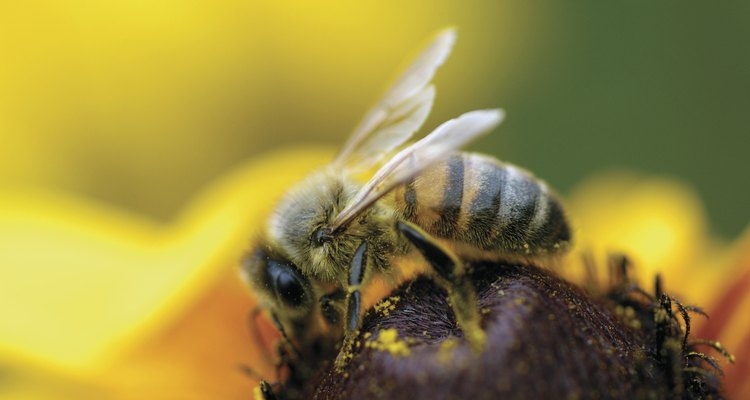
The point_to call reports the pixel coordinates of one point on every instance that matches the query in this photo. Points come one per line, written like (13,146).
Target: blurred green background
(142,103)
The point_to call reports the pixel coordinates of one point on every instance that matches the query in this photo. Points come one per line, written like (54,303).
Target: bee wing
(410,161)
(402,110)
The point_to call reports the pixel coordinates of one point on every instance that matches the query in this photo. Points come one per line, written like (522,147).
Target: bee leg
(353,301)
(284,337)
(354,297)
(256,336)
(328,307)
(266,391)
(283,361)
(451,275)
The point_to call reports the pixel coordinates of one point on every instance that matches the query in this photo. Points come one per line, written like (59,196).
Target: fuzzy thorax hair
(309,207)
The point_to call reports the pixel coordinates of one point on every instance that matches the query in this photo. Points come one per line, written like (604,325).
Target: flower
(659,223)
(729,308)
(98,302)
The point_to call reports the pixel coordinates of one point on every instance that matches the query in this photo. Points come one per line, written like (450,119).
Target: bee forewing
(410,161)
(397,128)
(401,112)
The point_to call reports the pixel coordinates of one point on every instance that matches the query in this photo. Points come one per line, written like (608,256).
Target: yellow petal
(83,284)
(657,222)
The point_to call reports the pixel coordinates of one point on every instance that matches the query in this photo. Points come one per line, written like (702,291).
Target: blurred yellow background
(140,103)
(133,108)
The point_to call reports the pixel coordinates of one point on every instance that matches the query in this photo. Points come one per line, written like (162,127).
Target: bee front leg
(451,275)
(266,391)
(354,297)
(284,337)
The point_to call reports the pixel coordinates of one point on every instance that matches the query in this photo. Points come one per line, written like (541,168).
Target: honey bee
(331,234)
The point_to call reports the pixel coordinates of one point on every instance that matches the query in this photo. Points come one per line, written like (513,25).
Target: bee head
(300,226)
(279,283)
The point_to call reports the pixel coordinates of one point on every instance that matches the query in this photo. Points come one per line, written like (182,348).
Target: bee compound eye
(289,289)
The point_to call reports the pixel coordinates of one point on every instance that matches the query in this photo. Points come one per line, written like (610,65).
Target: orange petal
(729,321)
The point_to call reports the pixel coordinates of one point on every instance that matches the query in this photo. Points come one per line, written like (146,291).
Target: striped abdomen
(486,204)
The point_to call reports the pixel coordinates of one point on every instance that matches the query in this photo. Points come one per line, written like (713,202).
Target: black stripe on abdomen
(519,199)
(483,211)
(554,230)
(453,193)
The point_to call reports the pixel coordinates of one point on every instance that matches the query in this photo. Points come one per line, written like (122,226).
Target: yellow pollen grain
(387,340)
(346,354)
(627,314)
(445,353)
(660,316)
(387,305)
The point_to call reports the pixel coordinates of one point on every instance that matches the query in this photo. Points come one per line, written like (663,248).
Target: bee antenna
(249,371)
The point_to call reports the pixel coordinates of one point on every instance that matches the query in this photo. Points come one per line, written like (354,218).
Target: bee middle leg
(353,302)
(452,277)
(284,337)
(354,297)
(266,391)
